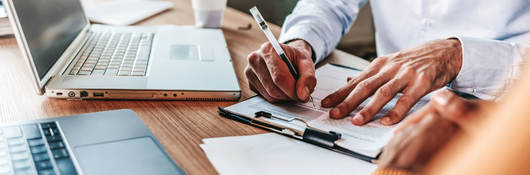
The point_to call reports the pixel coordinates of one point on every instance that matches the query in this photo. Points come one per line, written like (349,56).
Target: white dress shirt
(494,33)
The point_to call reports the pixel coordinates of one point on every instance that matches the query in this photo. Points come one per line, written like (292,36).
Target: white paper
(368,139)
(276,154)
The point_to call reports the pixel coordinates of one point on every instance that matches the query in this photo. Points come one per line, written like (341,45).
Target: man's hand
(427,130)
(269,76)
(413,72)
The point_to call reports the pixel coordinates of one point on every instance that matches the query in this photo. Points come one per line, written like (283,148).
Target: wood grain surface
(179,125)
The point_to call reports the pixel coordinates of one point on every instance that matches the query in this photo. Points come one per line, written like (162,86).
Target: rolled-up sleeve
(490,65)
(321,23)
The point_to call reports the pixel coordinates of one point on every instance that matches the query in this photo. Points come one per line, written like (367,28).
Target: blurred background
(359,40)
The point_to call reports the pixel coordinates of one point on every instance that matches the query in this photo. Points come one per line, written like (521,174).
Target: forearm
(320,23)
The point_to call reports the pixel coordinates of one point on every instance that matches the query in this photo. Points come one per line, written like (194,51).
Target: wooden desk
(180,125)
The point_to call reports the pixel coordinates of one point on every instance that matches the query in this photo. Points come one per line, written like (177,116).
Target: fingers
(256,85)
(410,97)
(341,94)
(278,71)
(362,91)
(259,69)
(382,96)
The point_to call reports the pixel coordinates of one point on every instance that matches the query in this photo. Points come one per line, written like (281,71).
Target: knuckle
(385,92)
(424,79)
(406,100)
(409,69)
(253,58)
(364,85)
(248,72)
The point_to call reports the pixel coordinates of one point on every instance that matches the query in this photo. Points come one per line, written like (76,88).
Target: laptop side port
(83,94)
(71,94)
(99,94)
(59,94)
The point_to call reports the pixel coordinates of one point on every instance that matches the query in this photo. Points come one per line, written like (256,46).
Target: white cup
(208,13)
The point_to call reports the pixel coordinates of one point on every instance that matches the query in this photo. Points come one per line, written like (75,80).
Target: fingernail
(335,112)
(358,118)
(385,120)
(442,97)
(305,93)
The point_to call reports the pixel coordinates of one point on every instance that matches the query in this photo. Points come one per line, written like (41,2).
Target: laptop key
(54,138)
(19,156)
(31,131)
(15,141)
(56,145)
(25,171)
(41,156)
(59,153)
(42,165)
(66,166)
(12,132)
(35,142)
(17,148)
(22,164)
(38,149)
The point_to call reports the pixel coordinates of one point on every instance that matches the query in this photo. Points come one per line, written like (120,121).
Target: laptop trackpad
(133,156)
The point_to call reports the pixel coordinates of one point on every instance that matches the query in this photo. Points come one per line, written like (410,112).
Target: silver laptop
(112,142)
(70,58)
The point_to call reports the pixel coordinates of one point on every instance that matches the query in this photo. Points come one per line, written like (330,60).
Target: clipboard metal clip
(306,133)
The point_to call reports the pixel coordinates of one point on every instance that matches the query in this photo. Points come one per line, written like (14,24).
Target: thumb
(307,80)
(300,54)
(454,108)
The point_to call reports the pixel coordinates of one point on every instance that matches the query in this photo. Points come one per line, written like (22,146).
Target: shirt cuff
(307,34)
(485,63)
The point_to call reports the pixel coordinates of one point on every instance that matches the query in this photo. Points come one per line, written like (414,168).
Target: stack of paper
(276,154)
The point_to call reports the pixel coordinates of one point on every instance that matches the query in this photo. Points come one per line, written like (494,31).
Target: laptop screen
(49,27)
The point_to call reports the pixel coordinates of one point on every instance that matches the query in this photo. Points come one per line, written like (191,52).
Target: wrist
(457,58)
(302,46)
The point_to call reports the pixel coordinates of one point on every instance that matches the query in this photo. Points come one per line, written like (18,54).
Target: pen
(265,28)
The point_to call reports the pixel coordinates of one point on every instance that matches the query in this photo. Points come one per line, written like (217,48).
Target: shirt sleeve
(321,23)
(490,66)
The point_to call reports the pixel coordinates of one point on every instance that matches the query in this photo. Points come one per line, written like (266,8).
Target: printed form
(368,139)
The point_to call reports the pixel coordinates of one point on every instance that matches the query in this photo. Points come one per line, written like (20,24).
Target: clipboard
(296,128)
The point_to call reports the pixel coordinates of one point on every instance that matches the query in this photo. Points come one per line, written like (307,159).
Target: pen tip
(312,102)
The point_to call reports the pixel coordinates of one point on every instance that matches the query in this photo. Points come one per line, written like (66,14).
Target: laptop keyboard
(114,54)
(34,149)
